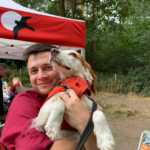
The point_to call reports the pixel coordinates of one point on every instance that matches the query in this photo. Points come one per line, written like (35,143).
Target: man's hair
(36,48)
(3,66)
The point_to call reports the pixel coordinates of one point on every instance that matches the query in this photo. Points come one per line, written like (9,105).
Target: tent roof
(36,27)
(13,49)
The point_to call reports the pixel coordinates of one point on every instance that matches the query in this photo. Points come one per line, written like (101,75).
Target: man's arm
(16,133)
(65,144)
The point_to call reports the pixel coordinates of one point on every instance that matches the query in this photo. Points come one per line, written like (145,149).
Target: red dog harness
(79,85)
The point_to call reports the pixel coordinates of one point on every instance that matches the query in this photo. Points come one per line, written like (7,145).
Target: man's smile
(44,83)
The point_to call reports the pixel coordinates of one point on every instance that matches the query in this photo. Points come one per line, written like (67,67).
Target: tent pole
(83,52)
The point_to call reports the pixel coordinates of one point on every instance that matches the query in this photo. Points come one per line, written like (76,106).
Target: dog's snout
(56,51)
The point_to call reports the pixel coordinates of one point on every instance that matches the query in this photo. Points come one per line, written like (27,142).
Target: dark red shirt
(16,134)
(13,88)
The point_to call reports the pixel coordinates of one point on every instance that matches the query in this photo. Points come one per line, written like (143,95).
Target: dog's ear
(92,74)
(89,74)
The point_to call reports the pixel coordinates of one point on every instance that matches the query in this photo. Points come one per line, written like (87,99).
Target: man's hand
(76,112)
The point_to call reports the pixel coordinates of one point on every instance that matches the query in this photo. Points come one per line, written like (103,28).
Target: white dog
(69,63)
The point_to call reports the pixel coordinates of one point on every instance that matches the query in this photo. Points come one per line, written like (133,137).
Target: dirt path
(127,131)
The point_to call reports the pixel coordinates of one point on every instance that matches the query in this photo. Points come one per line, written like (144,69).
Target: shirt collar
(37,95)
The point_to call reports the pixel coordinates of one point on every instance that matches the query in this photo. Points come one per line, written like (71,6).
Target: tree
(32,4)
(117,31)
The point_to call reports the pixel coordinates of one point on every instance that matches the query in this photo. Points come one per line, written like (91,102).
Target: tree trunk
(86,11)
(73,9)
(93,43)
(95,26)
(61,8)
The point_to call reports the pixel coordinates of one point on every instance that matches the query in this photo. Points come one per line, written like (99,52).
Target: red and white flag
(20,23)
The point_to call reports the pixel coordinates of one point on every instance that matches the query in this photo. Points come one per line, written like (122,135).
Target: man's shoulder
(30,94)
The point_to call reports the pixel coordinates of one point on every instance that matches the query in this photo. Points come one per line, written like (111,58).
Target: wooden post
(20,72)
(115,77)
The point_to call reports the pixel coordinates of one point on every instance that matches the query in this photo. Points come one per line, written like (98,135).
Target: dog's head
(70,63)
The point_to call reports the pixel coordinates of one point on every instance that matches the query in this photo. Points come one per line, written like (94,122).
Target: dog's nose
(56,51)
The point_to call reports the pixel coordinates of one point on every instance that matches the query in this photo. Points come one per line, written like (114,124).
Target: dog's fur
(70,63)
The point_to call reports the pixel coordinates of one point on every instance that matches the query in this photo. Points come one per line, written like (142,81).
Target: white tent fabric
(69,33)
(13,49)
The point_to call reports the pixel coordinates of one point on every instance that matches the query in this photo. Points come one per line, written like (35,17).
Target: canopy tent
(25,27)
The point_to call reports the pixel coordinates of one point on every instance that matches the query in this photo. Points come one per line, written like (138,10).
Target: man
(16,133)
(3,72)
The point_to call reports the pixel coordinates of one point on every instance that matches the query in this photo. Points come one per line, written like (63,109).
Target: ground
(131,117)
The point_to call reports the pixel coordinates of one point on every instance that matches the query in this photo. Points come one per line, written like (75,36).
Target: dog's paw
(52,132)
(105,142)
(105,139)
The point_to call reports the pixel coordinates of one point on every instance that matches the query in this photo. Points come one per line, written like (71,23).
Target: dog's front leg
(88,102)
(105,139)
(55,119)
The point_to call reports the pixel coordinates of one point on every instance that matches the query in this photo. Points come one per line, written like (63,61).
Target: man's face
(42,76)
(3,72)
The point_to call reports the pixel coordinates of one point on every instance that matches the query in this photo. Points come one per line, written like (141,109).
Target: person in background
(3,86)
(3,71)
(3,83)
(16,82)
(12,92)
(6,88)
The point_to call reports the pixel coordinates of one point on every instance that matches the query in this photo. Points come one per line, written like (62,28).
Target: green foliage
(123,105)
(141,79)
(13,64)
(136,81)
(119,47)
(32,4)
(52,8)
(121,33)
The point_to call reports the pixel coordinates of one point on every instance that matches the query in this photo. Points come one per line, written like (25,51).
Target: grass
(115,115)
(122,105)
(114,111)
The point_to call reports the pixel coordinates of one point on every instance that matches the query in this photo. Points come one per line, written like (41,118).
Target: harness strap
(57,89)
(87,129)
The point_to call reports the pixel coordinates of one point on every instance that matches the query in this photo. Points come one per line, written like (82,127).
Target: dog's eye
(73,54)
(68,68)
